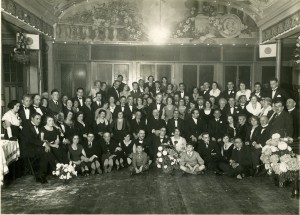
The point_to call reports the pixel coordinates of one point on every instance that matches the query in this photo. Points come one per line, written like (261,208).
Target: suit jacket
(33,109)
(236,111)
(216,129)
(114,93)
(184,94)
(127,112)
(253,138)
(53,108)
(151,88)
(154,106)
(77,99)
(121,87)
(108,148)
(191,128)
(241,132)
(207,153)
(263,135)
(171,126)
(282,124)
(155,124)
(136,94)
(95,106)
(279,94)
(135,127)
(205,94)
(226,94)
(156,142)
(242,157)
(96,149)
(241,110)
(88,116)
(260,95)
(295,115)
(22,115)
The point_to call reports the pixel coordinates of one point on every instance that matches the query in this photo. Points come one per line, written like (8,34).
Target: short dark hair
(274,79)
(205,133)
(279,101)
(257,83)
(34,95)
(12,104)
(120,76)
(35,114)
(79,88)
(98,93)
(54,91)
(139,144)
(150,76)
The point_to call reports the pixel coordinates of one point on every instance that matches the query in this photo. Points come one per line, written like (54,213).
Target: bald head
(290,103)
(106,136)
(264,120)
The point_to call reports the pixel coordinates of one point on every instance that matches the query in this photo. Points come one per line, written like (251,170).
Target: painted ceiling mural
(135,20)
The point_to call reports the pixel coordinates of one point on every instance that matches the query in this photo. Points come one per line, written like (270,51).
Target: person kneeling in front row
(190,161)
(139,161)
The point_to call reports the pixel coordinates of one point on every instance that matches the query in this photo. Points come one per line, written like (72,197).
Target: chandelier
(21,53)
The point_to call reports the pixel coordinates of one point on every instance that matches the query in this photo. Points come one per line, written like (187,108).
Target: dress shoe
(41,180)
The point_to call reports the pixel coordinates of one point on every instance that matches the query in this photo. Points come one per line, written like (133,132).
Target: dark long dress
(59,153)
(119,134)
(101,127)
(75,155)
(81,130)
(127,150)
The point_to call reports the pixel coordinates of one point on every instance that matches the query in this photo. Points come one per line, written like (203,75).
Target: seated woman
(139,161)
(81,128)
(50,135)
(182,109)
(109,157)
(254,107)
(226,151)
(75,107)
(77,155)
(190,161)
(12,121)
(120,127)
(141,107)
(128,147)
(68,107)
(101,125)
(195,94)
(108,114)
(230,127)
(93,151)
(178,141)
(168,109)
(69,124)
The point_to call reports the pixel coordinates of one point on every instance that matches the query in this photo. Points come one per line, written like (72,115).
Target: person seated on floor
(93,153)
(209,151)
(226,152)
(128,147)
(139,161)
(178,141)
(109,156)
(190,161)
(145,143)
(240,161)
(77,155)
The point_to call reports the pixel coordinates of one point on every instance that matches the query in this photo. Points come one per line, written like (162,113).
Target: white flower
(172,163)
(65,169)
(275,136)
(57,173)
(282,146)
(289,148)
(165,166)
(158,154)
(160,148)
(165,152)
(68,175)
(267,166)
(61,177)
(75,173)
(158,166)
(53,172)
(283,167)
(58,165)
(274,148)
(160,160)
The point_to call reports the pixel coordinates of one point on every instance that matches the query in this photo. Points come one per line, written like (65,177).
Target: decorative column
(278,58)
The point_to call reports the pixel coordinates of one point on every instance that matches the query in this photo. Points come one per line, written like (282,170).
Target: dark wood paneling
(157,53)
(201,53)
(112,52)
(238,53)
(71,52)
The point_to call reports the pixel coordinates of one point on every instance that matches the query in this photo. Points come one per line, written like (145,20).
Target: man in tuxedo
(205,91)
(79,96)
(33,147)
(282,122)
(200,103)
(276,92)
(258,91)
(294,112)
(229,92)
(232,109)
(157,89)
(141,134)
(64,100)
(88,115)
(137,123)
(93,150)
(120,79)
(36,106)
(242,105)
(25,110)
(135,92)
(217,127)
(262,137)
(209,152)
(141,85)
(175,122)
(181,91)
(161,139)
(54,105)
(155,123)
(98,103)
(113,91)
(194,126)
(158,105)
(241,129)
(129,108)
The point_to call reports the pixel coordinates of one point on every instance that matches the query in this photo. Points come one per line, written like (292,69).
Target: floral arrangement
(65,171)
(186,28)
(279,158)
(297,51)
(167,158)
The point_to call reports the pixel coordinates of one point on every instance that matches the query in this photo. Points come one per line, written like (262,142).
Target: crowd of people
(119,127)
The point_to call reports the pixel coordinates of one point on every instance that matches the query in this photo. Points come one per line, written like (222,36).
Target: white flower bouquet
(279,159)
(65,171)
(167,158)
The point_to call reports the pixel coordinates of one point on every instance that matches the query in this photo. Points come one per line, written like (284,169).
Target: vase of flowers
(280,160)
(65,172)
(167,158)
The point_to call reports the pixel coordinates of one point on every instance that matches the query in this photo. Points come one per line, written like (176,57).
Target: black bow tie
(26,108)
